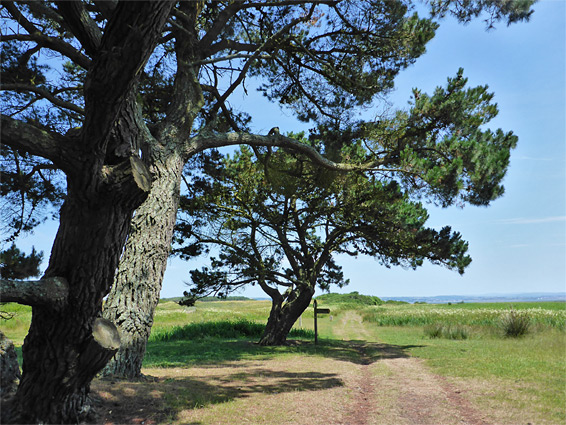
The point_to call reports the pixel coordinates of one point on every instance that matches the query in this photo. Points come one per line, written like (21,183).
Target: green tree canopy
(15,264)
(118,95)
(278,222)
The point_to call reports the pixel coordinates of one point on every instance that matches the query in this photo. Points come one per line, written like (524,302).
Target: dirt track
(385,386)
(414,394)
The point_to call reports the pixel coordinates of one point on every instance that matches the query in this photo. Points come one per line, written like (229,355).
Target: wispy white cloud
(534,220)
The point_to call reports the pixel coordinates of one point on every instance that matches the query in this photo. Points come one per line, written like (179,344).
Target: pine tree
(131,91)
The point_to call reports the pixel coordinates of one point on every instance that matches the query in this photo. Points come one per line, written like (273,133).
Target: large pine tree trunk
(135,294)
(67,345)
(284,314)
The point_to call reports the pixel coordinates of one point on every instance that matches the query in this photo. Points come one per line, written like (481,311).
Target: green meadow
(466,343)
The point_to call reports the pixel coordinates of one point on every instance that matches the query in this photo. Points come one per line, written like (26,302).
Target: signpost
(316,312)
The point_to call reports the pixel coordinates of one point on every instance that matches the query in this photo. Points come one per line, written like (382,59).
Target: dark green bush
(438,330)
(353,298)
(221,329)
(516,323)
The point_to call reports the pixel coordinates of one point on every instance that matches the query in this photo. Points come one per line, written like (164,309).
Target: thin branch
(45,94)
(34,34)
(265,46)
(52,44)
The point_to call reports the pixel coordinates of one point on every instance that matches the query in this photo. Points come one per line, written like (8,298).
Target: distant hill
(486,298)
(351,298)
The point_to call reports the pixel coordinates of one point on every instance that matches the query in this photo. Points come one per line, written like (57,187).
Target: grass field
(207,367)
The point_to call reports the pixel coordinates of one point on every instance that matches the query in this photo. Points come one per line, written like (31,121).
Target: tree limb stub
(48,292)
(129,175)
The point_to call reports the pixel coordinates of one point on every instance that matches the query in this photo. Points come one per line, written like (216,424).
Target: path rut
(393,387)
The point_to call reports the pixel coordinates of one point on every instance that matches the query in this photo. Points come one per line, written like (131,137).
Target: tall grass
(423,315)
(515,323)
(447,332)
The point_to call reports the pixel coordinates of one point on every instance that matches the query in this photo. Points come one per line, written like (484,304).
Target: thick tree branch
(202,142)
(187,99)
(44,292)
(47,144)
(128,41)
(231,45)
(44,93)
(81,25)
(106,7)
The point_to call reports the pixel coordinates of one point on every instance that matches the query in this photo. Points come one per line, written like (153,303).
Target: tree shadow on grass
(229,375)
(215,352)
(162,399)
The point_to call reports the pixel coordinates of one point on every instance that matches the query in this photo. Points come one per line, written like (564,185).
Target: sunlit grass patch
(225,329)
(482,315)
(16,323)
(533,366)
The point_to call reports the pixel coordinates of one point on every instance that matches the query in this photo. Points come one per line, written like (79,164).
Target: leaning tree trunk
(284,314)
(67,345)
(135,293)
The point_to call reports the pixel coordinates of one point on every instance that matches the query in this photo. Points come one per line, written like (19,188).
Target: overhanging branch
(44,292)
(202,142)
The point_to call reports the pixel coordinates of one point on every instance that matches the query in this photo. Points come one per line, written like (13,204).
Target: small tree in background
(15,264)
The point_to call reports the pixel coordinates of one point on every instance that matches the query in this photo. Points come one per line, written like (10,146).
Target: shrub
(220,329)
(433,331)
(353,298)
(515,323)
(437,330)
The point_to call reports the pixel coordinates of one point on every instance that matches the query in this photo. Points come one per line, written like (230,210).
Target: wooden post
(315,325)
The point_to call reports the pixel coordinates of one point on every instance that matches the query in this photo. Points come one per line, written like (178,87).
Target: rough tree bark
(135,293)
(284,313)
(61,353)
(68,342)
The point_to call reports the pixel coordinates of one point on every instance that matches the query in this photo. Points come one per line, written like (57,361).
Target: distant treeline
(354,298)
(205,299)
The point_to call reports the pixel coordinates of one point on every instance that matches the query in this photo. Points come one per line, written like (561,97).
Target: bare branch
(44,93)
(34,34)
(202,142)
(50,292)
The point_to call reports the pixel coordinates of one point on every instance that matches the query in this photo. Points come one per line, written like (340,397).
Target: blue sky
(518,244)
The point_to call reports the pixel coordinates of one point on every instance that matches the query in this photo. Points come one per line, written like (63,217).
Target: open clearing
(361,380)
(374,365)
